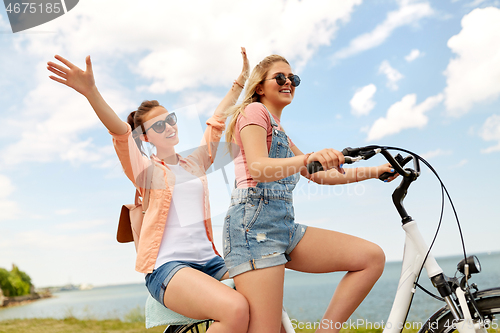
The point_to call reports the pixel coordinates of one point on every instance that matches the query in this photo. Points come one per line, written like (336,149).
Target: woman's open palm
(73,76)
(245,71)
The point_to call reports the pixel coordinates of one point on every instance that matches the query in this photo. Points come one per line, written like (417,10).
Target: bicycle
(467,309)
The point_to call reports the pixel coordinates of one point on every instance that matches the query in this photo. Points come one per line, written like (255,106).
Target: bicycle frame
(415,252)
(286,322)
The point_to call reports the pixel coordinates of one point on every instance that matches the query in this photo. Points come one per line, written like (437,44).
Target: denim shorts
(259,229)
(157,281)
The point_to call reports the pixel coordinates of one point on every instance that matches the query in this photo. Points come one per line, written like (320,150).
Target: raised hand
(245,71)
(72,76)
(83,82)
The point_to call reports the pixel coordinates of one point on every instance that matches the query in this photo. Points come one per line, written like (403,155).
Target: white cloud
(65,211)
(460,164)
(186,63)
(491,132)
(52,123)
(6,187)
(41,240)
(56,257)
(4,25)
(414,54)
(475,3)
(205,102)
(10,209)
(393,76)
(408,13)
(205,54)
(403,115)
(362,101)
(436,153)
(474,75)
(81,225)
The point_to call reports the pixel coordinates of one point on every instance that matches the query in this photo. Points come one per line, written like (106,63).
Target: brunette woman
(175,249)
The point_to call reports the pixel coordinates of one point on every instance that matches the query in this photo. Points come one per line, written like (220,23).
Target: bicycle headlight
(473,265)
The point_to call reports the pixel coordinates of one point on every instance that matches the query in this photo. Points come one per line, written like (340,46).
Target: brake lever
(316,166)
(363,153)
(351,155)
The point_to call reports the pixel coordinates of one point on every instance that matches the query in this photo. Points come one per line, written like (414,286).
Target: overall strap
(273,122)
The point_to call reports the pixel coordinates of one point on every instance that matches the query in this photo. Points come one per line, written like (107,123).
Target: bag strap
(137,200)
(147,190)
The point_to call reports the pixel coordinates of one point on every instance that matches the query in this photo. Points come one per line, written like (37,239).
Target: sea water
(306,296)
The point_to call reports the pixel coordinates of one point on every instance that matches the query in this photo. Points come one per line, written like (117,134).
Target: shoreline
(9,302)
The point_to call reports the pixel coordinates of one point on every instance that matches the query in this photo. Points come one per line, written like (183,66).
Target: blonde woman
(175,250)
(261,237)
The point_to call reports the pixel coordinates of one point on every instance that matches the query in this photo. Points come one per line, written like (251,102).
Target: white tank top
(185,237)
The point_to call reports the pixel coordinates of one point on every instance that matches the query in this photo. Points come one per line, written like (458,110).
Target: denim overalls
(259,229)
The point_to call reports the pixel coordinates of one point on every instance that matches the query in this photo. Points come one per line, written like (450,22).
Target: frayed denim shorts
(259,229)
(157,281)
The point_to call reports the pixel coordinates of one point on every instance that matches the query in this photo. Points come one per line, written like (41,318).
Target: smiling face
(272,95)
(166,139)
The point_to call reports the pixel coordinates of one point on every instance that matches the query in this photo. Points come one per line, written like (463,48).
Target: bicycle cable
(443,191)
(429,293)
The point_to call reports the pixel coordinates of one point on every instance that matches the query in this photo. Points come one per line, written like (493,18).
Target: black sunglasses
(159,126)
(281,79)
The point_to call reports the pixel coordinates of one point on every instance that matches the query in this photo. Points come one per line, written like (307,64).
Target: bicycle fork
(286,322)
(415,253)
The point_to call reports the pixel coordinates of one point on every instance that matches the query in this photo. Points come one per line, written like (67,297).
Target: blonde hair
(258,75)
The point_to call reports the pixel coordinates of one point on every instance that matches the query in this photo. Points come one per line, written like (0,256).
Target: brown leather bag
(132,215)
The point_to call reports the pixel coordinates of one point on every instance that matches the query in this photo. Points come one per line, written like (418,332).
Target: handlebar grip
(314,167)
(348,151)
(386,175)
(399,159)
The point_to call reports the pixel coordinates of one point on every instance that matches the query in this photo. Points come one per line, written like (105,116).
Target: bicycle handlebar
(397,162)
(316,166)
(353,155)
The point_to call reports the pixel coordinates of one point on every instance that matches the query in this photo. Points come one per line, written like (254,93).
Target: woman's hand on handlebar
(381,169)
(329,159)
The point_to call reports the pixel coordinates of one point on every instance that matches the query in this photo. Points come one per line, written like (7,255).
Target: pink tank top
(255,114)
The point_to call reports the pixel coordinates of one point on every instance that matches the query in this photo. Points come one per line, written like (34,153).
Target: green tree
(15,282)
(5,284)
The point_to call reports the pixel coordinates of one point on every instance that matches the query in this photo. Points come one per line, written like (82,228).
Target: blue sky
(422,75)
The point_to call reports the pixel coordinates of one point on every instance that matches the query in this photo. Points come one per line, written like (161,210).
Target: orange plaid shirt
(162,184)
